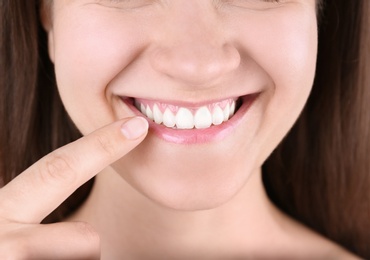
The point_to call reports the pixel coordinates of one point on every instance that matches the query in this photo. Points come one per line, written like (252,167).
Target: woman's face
(186,62)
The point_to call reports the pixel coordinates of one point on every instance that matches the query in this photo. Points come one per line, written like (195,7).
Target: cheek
(292,57)
(283,46)
(291,66)
(91,50)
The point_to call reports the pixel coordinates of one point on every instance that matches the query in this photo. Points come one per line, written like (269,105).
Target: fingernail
(134,128)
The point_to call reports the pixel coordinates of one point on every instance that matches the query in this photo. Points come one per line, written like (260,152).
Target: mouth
(188,117)
(185,123)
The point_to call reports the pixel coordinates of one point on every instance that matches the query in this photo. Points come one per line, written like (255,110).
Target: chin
(191,183)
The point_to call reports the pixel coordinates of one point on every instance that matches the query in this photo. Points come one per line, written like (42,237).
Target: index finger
(36,192)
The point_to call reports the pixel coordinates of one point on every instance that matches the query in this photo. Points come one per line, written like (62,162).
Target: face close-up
(221,83)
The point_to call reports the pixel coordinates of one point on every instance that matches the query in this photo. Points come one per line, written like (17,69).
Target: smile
(181,117)
(188,123)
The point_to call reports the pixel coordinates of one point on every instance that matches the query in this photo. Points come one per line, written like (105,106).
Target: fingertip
(135,128)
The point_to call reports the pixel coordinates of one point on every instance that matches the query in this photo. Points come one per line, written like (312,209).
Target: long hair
(33,119)
(319,174)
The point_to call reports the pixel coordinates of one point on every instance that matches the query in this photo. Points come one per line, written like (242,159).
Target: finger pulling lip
(181,123)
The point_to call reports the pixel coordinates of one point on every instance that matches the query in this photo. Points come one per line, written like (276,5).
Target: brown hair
(319,174)
(33,119)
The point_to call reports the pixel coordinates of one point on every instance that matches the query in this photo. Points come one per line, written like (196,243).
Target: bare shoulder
(308,244)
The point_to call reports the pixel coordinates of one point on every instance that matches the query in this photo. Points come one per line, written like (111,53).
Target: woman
(220,84)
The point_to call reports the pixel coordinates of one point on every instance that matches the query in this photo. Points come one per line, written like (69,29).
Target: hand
(35,193)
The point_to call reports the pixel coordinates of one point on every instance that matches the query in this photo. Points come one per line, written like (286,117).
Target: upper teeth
(187,118)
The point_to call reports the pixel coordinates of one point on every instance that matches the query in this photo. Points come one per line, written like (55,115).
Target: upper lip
(186,103)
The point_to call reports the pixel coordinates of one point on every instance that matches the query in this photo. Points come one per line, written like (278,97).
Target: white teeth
(158,117)
(143,109)
(232,109)
(226,112)
(184,119)
(202,118)
(149,113)
(218,116)
(169,119)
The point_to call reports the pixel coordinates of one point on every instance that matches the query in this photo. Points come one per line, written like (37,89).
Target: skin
(203,51)
(165,200)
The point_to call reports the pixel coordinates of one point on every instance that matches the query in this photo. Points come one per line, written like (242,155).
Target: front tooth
(232,109)
(227,112)
(143,109)
(202,118)
(149,113)
(218,116)
(169,119)
(184,119)
(157,114)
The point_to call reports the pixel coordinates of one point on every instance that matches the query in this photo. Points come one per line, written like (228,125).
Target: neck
(132,226)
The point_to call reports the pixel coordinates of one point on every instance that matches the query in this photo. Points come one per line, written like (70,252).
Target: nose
(192,49)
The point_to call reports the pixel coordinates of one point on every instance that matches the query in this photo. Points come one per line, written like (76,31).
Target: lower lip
(198,136)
